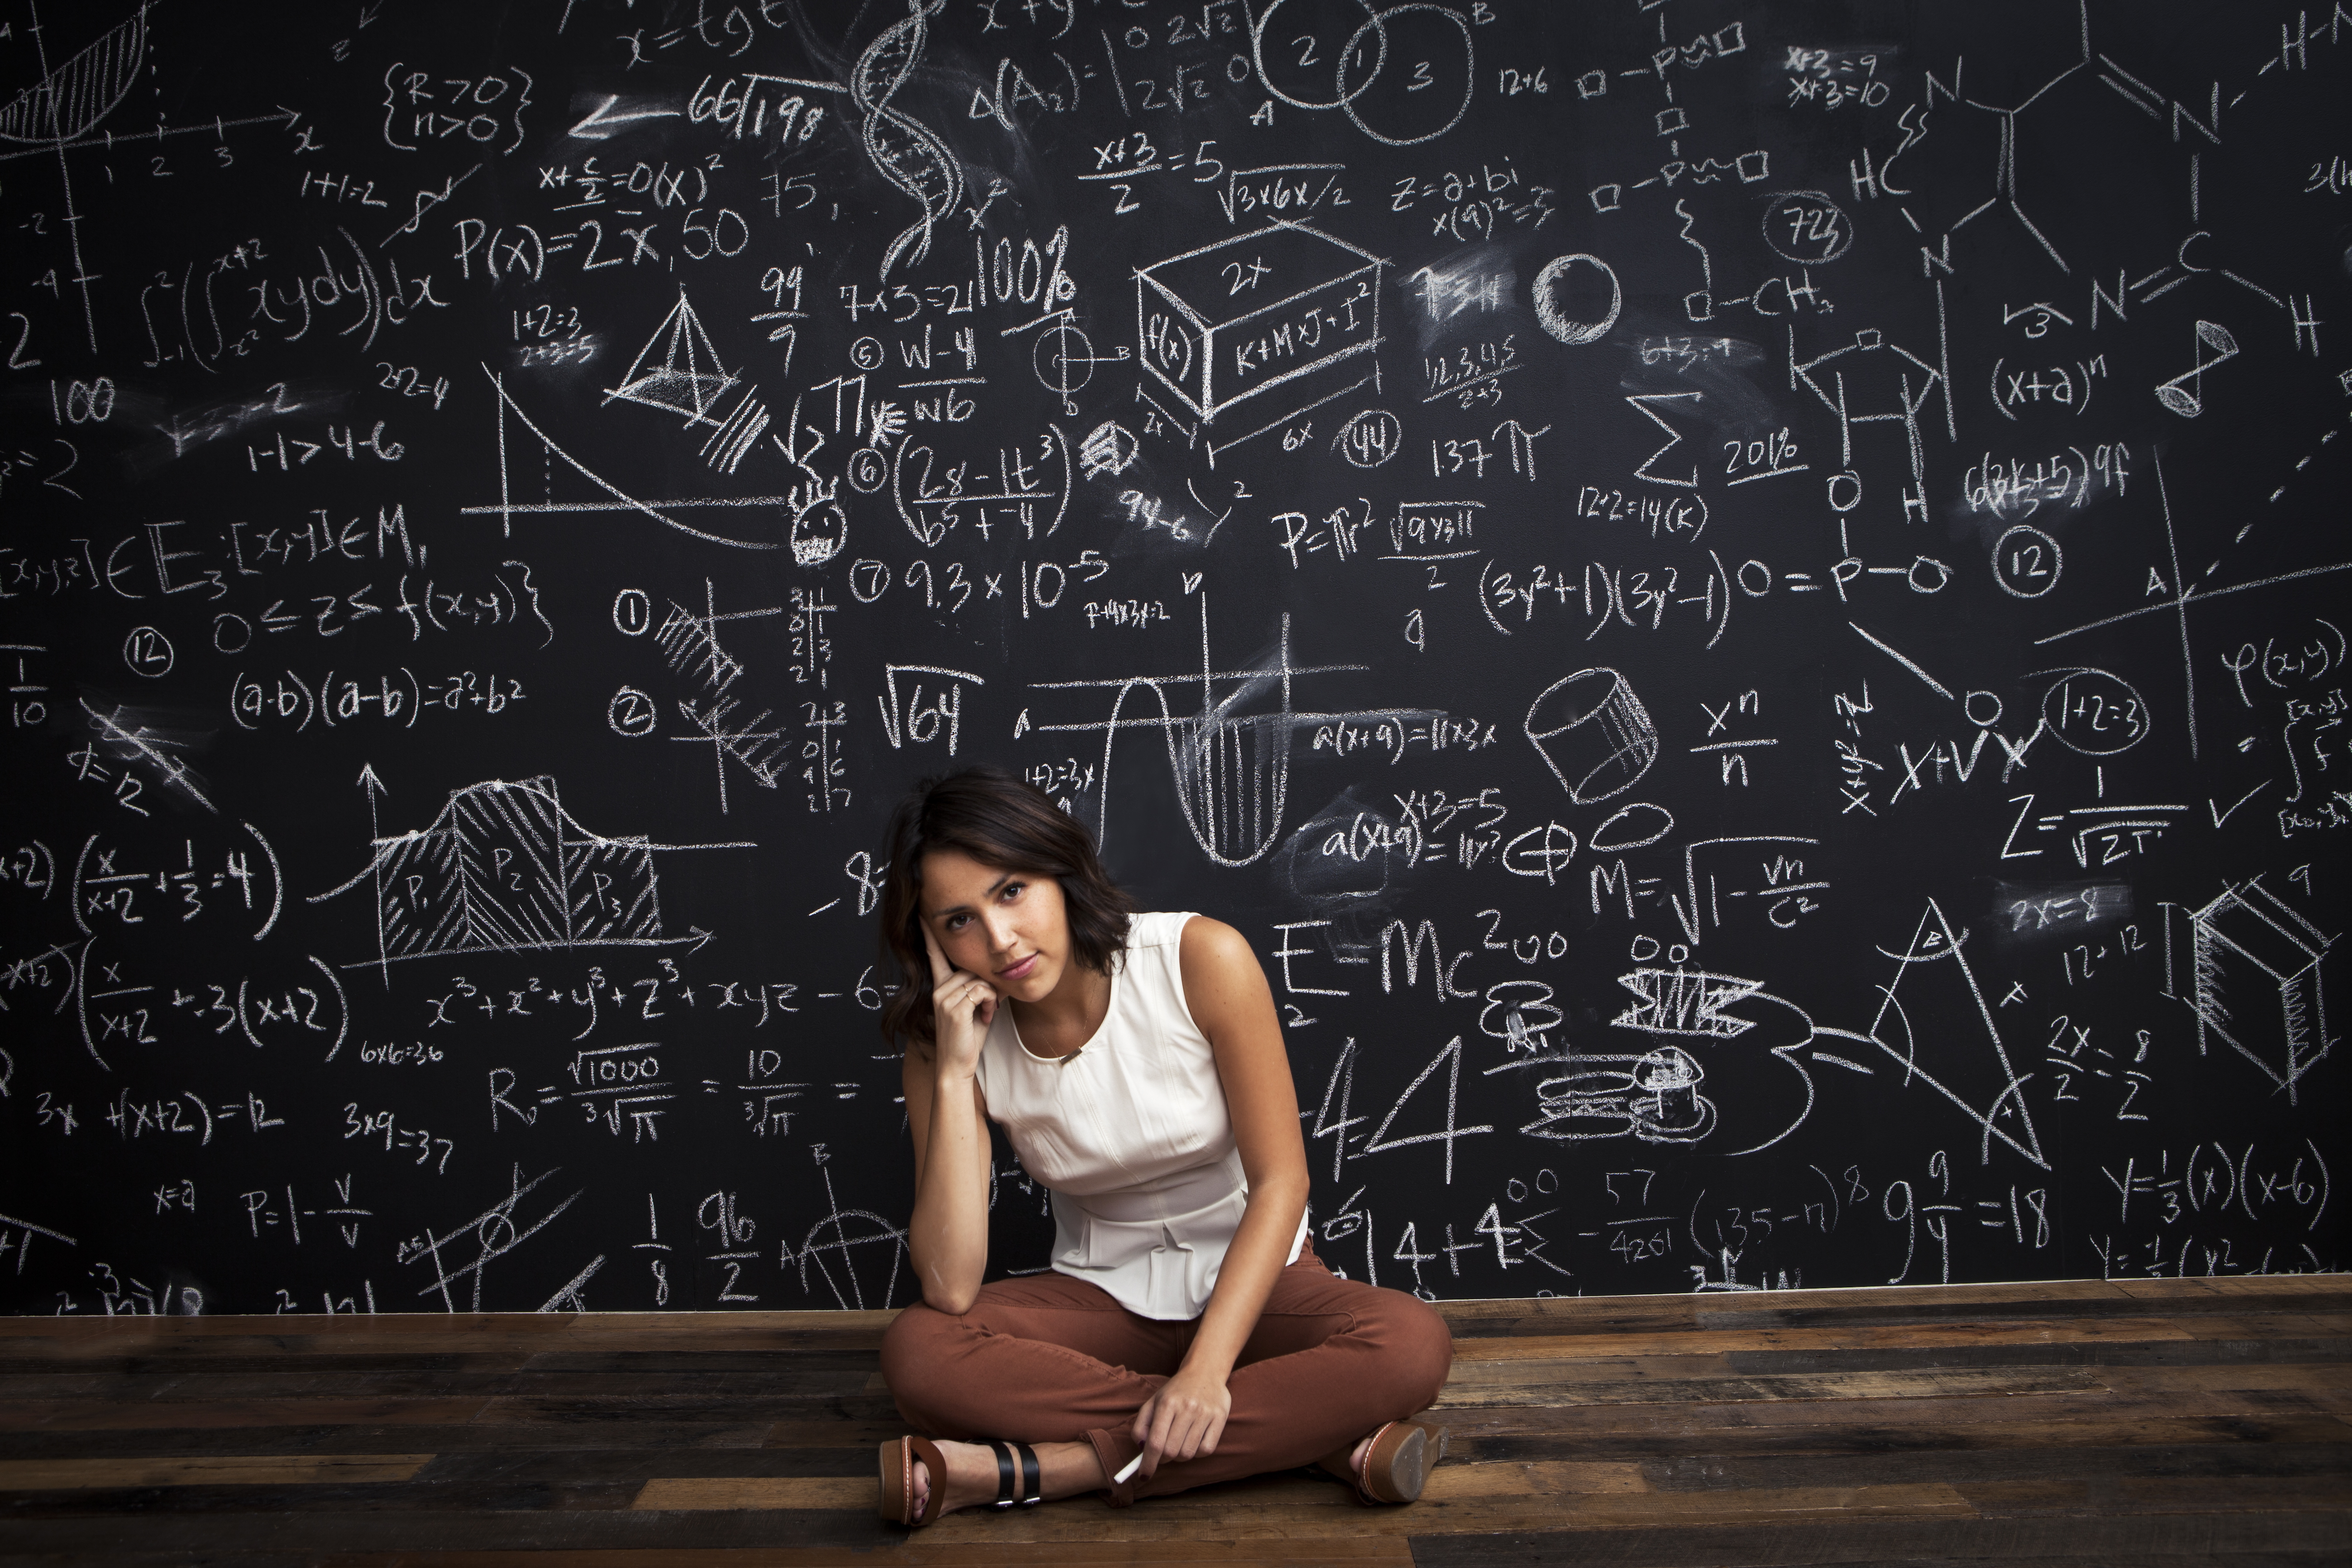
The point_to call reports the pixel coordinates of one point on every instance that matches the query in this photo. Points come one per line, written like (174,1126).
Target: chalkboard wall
(1744,602)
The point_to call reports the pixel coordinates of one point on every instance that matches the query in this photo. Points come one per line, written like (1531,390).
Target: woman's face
(1009,927)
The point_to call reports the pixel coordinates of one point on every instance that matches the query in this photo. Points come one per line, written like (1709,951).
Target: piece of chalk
(1126,1471)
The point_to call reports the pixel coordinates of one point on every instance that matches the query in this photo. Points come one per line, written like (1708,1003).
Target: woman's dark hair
(1007,823)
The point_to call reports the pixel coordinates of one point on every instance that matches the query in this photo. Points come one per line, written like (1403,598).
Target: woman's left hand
(1184,1419)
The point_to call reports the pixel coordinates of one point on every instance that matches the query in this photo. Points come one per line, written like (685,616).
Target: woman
(1186,1332)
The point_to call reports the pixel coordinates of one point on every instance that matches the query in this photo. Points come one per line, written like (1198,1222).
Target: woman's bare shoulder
(1209,940)
(1221,969)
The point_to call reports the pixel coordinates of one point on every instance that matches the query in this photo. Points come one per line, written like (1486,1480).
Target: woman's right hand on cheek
(963,1006)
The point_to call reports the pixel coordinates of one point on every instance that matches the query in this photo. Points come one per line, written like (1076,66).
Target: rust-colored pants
(1047,1358)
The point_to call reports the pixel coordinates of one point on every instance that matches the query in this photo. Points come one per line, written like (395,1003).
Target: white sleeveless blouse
(1131,1136)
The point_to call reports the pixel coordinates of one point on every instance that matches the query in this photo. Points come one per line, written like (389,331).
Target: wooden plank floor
(2178,1422)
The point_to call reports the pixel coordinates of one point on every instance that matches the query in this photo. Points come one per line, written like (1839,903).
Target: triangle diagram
(1935,1024)
(678,369)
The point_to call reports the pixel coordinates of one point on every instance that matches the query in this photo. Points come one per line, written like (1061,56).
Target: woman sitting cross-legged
(1186,1332)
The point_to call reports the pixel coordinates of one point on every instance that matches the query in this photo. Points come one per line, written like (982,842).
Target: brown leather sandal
(1397,1464)
(898,1458)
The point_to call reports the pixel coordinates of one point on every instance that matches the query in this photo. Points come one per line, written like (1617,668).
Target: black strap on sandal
(1030,1489)
(1032,1478)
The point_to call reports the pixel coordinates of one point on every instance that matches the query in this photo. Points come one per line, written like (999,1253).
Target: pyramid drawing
(678,369)
(505,867)
(1937,1009)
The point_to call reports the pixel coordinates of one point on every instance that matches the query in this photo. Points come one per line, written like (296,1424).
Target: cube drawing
(1269,309)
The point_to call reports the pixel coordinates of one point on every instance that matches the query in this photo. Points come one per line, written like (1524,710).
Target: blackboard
(1744,602)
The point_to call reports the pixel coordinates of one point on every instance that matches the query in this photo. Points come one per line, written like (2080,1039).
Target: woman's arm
(1229,999)
(947,1239)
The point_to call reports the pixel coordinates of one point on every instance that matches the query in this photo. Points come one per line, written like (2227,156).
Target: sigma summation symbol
(1747,615)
